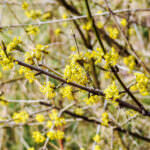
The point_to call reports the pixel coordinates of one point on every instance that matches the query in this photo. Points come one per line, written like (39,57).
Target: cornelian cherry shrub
(74,75)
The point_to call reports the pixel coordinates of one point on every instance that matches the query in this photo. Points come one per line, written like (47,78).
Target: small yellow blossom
(57,31)
(55,135)
(12,46)
(96,55)
(32,30)
(6,62)
(111,58)
(141,84)
(38,137)
(67,92)
(112,92)
(20,117)
(87,26)
(27,73)
(79,111)
(113,32)
(130,62)
(131,31)
(64,16)
(99,24)
(25,5)
(73,48)
(48,89)
(49,124)
(54,114)
(39,118)
(57,121)
(39,50)
(105,119)
(107,75)
(46,15)
(131,113)
(33,14)
(123,22)
(97,138)
(75,72)
(92,100)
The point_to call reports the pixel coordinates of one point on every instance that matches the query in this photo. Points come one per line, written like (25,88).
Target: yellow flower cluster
(99,24)
(25,5)
(123,22)
(75,72)
(6,62)
(73,48)
(32,30)
(49,124)
(46,15)
(92,100)
(55,135)
(39,118)
(141,84)
(107,75)
(38,137)
(13,45)
(131,31)
(64,16)
(97,138)
(6,58)
(57,121)
(33,14)
(130,62)
(20,117)
(57,31)
(105,119)
(48,89)
(95,54)
(79,111)
(27,73)
(67,92)
(113,32)
(112,92)
(35,53)
(111,58)
(131,113)
(87,26)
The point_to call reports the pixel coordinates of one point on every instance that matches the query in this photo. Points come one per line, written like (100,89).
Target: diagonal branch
(98,122)
(88,89)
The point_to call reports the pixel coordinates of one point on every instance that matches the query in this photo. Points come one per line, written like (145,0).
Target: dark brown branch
(90,90)
(112,68)
(97,122)
(129,92)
